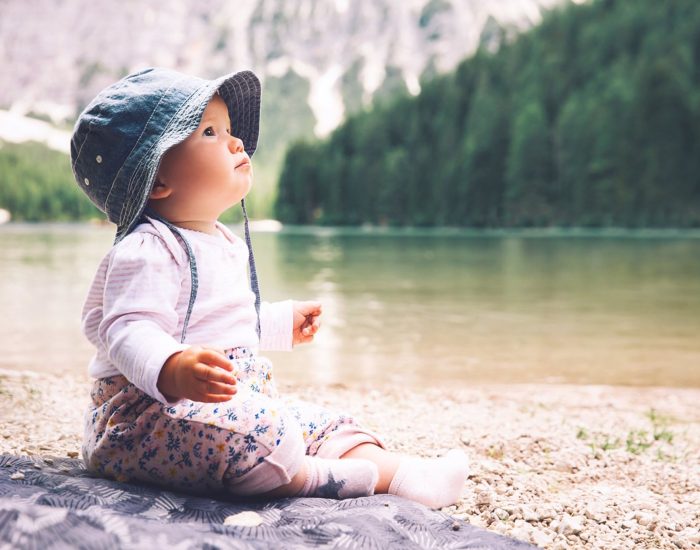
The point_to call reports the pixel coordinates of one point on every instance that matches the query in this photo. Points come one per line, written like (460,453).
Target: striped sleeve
(276,324)
(139,318)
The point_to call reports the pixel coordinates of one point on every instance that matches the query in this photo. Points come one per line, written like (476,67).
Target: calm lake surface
(433,307)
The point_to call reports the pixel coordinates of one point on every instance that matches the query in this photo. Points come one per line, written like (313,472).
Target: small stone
(520,533)
(501,514)
(17,475)
(570,525)
(484,498)
(72,454)
(455,526)
(247,519)
(48,461)
(644,518)
(540,539)
(691,535)
(596,514)
(629,524)
(530,515)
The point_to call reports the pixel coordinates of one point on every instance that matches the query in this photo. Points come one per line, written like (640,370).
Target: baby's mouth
(244,162)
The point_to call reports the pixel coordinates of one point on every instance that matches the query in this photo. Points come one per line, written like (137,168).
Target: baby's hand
(306,322)
(197,374)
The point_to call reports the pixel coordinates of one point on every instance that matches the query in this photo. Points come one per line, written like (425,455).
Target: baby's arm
(197,374)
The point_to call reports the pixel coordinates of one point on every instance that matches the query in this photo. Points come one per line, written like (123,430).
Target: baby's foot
(336,478)
(435,482)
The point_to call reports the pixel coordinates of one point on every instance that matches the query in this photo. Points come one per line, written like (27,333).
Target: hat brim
(240,91)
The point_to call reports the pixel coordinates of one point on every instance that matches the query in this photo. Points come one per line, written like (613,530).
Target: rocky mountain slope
(323,57)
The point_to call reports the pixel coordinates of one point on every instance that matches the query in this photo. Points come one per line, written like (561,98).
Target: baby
(182,397)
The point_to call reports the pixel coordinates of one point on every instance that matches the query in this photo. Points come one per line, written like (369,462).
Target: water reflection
(413,309)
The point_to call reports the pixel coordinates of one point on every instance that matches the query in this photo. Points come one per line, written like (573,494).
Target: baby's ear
(160,191)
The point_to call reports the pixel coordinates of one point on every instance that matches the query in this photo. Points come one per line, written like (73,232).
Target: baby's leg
(435,482)
(328,434)
(330,478)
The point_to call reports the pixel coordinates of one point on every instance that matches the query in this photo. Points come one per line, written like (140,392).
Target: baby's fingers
(312,328)
(206,373)
(209,392)
(215,358)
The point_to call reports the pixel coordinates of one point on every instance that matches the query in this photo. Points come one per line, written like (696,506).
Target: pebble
(570,525)
(17,476)
(520,533)
(530,515)
(72,454)
(644,518)
(596,514)
(484,498)
(247,519)
(541,538)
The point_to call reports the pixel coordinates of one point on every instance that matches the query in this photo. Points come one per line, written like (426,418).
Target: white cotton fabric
(136,306)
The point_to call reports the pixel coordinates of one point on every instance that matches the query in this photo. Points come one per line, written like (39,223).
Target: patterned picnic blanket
(55,503)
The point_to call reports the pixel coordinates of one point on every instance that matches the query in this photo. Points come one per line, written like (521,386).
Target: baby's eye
(209,131)
(228,131)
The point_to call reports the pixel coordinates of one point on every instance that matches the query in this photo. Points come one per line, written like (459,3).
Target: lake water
(433,307)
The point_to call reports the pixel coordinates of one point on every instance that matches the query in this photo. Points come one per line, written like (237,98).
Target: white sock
(435,482)
(336,478)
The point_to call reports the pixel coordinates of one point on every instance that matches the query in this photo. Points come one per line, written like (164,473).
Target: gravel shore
(559,466)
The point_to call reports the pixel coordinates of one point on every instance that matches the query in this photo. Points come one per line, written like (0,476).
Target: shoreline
(559,465)
(270,225)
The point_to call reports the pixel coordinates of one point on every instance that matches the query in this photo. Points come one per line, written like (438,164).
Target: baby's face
(208,172)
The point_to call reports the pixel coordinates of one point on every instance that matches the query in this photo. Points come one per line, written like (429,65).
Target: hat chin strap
(251,264)
(193,268)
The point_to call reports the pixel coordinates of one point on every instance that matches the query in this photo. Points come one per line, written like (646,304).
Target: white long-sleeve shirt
(136,306)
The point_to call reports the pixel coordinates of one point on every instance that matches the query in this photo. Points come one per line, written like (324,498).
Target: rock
(17,476)
(72,454)
(541,538)
(484,498)
(520,533)
(478,521)
(530,515)
(596,513)
(247,519)
(691,535)
(644,518)
(501,514)
(570,525)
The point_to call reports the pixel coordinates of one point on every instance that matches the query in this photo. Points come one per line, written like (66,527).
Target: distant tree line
(36,184)
(590,119)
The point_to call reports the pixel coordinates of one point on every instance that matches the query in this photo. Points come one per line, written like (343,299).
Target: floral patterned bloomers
(248,445)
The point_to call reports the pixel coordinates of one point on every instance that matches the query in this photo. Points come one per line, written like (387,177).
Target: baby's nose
(236,145)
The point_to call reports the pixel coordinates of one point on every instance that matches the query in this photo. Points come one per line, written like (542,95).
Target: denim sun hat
(122,135)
